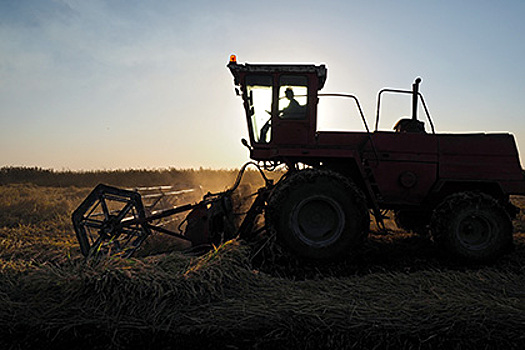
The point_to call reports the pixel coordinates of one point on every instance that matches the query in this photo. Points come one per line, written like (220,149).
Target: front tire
(472,227)
(319,215)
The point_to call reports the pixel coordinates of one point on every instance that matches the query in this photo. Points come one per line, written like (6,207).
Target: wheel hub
(318,221)
(475,232)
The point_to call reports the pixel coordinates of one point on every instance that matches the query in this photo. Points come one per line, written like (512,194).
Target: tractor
(457,187)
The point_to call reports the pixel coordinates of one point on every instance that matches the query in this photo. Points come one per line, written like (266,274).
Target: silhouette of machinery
(454,186)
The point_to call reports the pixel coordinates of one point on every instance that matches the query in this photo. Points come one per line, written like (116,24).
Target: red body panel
(479,157)
(407,167)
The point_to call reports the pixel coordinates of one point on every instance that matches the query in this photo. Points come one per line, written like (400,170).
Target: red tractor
(456,185)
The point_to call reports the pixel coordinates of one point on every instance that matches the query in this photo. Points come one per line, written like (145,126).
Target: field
(399,292)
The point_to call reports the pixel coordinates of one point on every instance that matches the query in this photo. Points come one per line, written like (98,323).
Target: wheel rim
(318,221)
(475,232)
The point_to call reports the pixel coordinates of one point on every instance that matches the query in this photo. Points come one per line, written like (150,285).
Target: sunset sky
(144,84)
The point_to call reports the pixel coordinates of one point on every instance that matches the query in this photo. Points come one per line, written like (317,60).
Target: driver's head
(289,93)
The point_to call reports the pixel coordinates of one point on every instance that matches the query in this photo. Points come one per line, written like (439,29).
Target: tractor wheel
(472,227)
(318,214)
(412,220)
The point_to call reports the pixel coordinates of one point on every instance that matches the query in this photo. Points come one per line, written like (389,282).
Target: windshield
(259,89)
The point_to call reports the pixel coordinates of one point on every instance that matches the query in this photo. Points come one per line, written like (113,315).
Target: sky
(121,84)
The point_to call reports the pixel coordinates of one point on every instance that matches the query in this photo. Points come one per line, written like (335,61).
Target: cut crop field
(398,292)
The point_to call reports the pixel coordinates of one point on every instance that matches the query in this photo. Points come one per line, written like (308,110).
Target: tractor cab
(280,101)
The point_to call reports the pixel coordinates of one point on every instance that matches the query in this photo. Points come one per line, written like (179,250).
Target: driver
(294,110)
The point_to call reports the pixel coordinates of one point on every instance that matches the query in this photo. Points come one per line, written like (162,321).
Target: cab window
(293,93)
(259,98)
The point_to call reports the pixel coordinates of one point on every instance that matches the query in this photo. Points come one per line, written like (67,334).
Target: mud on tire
(472,227)
(318,214)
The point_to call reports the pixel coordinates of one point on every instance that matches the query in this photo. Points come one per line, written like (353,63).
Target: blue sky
(143,84)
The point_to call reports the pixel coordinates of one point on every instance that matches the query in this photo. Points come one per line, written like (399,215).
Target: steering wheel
(264,130)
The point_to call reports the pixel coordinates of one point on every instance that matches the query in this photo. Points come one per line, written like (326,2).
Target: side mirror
(245,144)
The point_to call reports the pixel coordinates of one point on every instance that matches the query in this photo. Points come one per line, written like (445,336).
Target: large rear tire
(318,214)
(472,227)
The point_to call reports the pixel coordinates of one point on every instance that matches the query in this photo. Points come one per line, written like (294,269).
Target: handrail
(356,101)
(360,113)
(402,92)
(427,113)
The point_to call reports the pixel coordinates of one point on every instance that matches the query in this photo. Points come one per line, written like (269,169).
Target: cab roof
(319,70)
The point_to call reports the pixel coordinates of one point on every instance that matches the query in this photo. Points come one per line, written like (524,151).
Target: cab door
(292,111)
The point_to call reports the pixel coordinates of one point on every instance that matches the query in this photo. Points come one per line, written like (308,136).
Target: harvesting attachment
(114,221)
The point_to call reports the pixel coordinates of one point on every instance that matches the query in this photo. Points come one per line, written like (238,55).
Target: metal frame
(416,95)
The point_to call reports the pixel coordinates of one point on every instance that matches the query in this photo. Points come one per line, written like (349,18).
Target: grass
(399,293)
